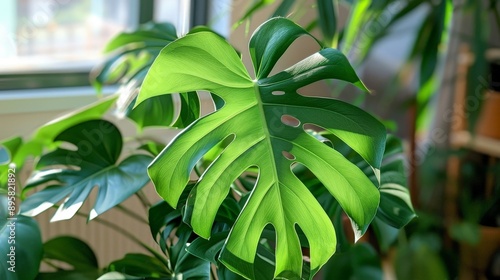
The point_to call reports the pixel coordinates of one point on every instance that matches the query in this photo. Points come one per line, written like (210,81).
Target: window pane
(60,34)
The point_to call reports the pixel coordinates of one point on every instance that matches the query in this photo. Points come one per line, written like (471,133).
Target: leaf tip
(359,84)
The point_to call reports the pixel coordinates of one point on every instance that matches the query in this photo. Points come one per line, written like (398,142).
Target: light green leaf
(96,110)
(266,117)
(94,163)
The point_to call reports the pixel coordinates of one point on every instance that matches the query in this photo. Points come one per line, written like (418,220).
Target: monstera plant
(262,123)
(257,189)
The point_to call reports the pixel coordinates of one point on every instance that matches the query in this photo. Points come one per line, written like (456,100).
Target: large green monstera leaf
(264,118)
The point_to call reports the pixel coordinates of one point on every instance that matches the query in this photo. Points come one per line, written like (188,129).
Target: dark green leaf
(140,265)
(157,111)
(48,132)
(418,261)
(327,18)
(20,247)
(360,262)
(466,232)
(284,8)
(72,251)
(94,163)
(68,275)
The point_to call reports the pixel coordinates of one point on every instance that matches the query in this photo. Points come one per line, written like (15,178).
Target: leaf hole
(288,155)
(206,156)
(290,120)
(278,92)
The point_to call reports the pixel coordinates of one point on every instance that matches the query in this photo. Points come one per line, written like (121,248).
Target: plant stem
(213,272)
(144,200)
(131,214)
(49,263)
(127,234)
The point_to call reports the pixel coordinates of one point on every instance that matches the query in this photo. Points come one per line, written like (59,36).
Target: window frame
(79,77)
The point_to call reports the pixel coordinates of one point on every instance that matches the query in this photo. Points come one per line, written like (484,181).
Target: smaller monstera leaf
(72,173)
(256,114)
(395,209)
(174,236)
(131,56)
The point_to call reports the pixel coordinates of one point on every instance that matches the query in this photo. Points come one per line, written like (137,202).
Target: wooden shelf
(477,143)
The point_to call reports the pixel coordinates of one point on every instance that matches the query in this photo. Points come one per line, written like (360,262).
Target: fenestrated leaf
(395,208)
(131,56)
(94,163)
(23,234)
(173,236)
(19,150)
(252,113)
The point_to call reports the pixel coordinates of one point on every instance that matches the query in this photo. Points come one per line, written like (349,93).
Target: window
(45,38)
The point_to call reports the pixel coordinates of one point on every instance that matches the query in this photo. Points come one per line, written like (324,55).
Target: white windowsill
(47,100)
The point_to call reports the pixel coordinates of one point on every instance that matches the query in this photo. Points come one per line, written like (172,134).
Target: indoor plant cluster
(256,189)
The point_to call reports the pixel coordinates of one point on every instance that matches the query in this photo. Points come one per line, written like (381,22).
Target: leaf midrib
(267,136)
(98,173)
(229,117)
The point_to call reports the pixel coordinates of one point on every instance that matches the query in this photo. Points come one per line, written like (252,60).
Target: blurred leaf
(4,155)
(114,275)
(73,173)
(132,54)
(139,265)
(433,38)
(386,234)
(418,262)
(23,235)
(354,26)
(254,7)
(68,275)
(360,262)
(284,8)
(477,74)
(152,147)
(72,251)
(467,232)
(327,18)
